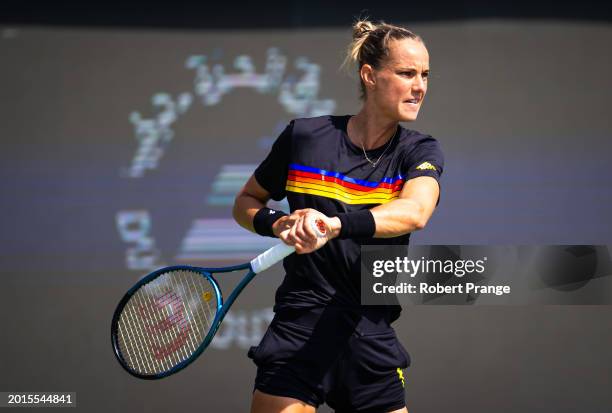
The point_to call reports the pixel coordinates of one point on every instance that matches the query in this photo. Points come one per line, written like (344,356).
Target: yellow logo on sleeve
(426,166)
(400,374)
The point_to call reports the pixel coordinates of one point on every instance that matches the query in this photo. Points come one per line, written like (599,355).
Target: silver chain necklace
(381,155)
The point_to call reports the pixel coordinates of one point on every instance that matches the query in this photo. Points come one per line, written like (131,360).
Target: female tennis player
(370,181)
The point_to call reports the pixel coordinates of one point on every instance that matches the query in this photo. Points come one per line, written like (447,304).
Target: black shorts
(350,360)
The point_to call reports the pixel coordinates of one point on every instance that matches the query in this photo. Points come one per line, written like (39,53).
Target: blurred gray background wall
(122,148)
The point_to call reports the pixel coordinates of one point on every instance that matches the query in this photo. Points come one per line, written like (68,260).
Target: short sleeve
(271,174)
(425,159)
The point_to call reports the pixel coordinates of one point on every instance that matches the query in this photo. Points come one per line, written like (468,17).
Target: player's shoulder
(420,151)
(410,138)
(414,137)
(317,123)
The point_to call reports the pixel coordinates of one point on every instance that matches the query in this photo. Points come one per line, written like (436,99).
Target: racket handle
(275,254)
(270,257)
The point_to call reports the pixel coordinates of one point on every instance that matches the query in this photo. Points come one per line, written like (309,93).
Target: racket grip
(270,257)
(273,255)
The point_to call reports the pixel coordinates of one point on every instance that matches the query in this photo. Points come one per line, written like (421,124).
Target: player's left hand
(303,235)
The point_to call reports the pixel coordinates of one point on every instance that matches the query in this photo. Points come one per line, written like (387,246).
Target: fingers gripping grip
(275,254)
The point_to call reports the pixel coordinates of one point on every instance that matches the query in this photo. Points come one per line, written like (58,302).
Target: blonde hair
(370,45)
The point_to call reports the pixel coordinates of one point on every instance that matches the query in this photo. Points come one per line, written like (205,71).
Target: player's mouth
(415,101)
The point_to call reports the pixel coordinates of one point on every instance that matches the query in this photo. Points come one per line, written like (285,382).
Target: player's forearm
(245,208)
(398,217)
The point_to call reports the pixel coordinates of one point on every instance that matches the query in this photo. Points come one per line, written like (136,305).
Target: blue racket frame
(222,309)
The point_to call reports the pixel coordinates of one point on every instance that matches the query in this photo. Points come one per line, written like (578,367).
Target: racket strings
(165,321)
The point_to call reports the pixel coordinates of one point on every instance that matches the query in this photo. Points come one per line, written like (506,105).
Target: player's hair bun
(362,28)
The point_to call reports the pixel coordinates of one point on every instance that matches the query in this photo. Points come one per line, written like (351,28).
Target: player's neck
(370,129)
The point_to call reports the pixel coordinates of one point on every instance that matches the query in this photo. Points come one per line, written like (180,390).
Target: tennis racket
(165,321)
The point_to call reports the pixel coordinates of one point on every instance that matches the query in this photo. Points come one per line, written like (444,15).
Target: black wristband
(264,219)
(358,224)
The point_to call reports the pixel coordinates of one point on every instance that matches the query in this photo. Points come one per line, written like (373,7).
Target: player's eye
(408,73)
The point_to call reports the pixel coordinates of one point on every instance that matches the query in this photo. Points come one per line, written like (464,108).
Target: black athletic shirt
(315,165)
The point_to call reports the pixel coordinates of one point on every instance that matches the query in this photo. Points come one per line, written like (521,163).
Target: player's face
(401,81)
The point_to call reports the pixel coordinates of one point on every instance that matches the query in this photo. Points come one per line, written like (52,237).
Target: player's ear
(368,76)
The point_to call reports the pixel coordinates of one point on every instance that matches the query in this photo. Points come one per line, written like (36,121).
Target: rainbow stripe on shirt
(314,181)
